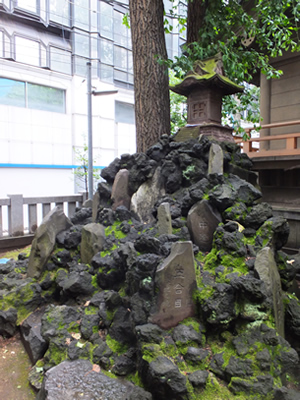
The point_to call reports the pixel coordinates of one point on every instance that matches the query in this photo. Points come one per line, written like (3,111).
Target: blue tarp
(4,260)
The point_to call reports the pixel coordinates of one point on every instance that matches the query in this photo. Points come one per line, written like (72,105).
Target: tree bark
(151,81)
(195,15)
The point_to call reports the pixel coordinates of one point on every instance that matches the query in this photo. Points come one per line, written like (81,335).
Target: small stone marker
(202,221)
(164,219)
(143,201)
(119,192)
(88,203)
(96,205)
(44,240)
(176,281)
(92,241)
(216,159)
(266,268)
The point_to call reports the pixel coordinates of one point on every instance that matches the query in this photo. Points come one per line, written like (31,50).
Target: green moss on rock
(115,346)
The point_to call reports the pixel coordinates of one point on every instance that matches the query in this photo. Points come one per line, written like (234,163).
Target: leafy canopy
(248,34)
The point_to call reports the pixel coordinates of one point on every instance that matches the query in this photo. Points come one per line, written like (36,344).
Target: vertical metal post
(90,130)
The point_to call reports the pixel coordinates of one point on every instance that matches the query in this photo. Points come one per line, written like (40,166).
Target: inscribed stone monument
(164,219)
(202,221)
(266,268)
(216,159)
(96,205)
(175,280)
(119,192)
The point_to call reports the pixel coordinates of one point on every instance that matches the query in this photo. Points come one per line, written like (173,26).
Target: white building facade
(45,46)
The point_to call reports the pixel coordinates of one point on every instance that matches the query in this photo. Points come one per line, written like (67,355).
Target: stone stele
(202,221)
(92,241)
(266,268)
(176,281)
(119,192)
(164,223)
(96,205)
(44,240)
(216,159)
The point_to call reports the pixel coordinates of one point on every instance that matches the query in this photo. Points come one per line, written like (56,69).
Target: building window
(80,65)
(45,98)
(60,60)
(106,20)
(120,30)
(5,3)
(28,5)
(120,58)
(107,52)
(27,51)
(25,94)
(5,45)
(94,15)
(124,113)
(123,64)
(81,14)
(1,44)
(60,11)
(106,73)
(12,92)
(81,44)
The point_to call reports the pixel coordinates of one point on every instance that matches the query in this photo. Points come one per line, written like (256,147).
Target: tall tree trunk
(195,15)
(151,81)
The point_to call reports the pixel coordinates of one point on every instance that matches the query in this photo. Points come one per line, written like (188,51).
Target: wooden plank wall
(285,97)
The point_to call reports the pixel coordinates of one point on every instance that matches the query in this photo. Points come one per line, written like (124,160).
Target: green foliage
(126,20)
(81,172)
(246,38)
(178,108)
(242,107)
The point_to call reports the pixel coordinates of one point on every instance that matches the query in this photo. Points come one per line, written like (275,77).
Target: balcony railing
(290,148)
(21,215)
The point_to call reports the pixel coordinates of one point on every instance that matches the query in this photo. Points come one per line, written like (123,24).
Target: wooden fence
(290,148)
(21,215)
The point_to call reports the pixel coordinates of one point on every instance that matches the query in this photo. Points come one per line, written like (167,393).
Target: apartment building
(45,47)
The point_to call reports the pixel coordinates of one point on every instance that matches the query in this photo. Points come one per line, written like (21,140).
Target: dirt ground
(14,368)
(14,362)
(14,253)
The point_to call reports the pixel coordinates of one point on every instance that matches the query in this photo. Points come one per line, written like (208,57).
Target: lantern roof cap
(207,73)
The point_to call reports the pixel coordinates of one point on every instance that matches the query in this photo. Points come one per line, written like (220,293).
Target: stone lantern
(204,88)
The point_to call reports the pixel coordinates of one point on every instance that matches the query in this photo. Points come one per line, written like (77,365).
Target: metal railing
(21,215)
(290,148)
